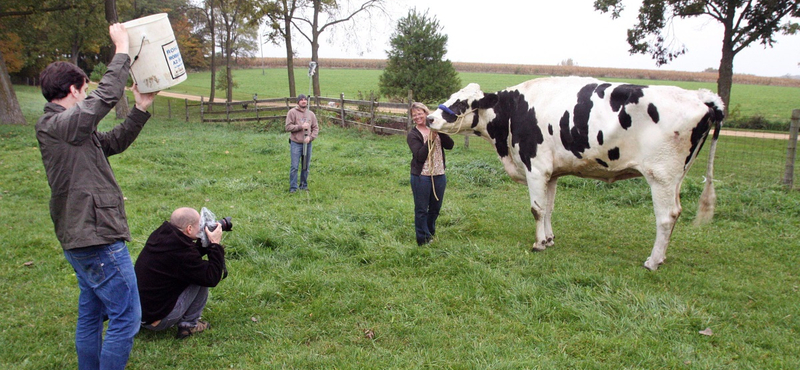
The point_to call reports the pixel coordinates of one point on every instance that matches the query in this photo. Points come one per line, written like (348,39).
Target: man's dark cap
(301,97)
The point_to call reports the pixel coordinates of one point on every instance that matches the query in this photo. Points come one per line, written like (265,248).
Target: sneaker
(186,331)
(292,190)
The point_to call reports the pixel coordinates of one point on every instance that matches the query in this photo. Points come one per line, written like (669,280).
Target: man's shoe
(292,190)
(186,331)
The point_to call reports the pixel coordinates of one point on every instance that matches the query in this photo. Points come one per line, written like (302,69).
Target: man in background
(86,203)
(301,122)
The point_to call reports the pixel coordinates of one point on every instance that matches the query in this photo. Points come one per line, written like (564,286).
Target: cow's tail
(708,199)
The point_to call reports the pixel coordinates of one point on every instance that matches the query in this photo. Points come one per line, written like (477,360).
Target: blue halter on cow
(551,127)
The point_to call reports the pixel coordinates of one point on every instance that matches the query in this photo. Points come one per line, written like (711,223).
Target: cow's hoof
(650,265)
(539,247)
(550,242)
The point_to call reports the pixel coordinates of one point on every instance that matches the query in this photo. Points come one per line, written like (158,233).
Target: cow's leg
(667,207)
(548,213)
(537,189)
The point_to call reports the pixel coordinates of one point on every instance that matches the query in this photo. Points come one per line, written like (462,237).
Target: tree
(234,16)
(744,22)
(121,108)
(416,61)
(10,111)
(279,14)
(12,14)
(334,13)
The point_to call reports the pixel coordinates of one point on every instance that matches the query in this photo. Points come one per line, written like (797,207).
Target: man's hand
(305,125)
(143,101)
(214,236)
(119,36)
(307,139)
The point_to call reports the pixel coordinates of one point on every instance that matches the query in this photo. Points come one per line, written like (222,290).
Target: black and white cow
(550,127)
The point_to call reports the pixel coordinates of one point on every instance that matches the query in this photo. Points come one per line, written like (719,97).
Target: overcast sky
(545,32)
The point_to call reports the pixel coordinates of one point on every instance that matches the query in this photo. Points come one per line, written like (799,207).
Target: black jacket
(419,150)
(168,264)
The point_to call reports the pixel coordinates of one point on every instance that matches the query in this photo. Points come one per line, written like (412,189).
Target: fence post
(228,111)
(341,107)
(258,119)
(201,109)
(186,105)
(788,177)
(169,108)
(372,108)
(409,121)
(466,141)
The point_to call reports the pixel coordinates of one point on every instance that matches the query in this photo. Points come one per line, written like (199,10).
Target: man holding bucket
(86,203)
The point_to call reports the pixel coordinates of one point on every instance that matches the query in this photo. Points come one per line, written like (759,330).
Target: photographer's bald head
(187,220)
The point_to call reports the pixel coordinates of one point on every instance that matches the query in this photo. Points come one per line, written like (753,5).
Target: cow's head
(464,112)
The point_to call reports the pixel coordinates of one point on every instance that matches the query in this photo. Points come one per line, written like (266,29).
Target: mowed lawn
(333,279)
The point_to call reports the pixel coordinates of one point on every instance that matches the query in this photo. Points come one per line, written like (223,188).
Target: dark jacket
(169,262)
(86,204)
(419,149)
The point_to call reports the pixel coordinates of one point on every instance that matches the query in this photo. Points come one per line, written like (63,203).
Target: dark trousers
(426,206)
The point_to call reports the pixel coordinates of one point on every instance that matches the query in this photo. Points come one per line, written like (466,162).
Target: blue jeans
(187,310)
(297,150)
(108,291)
(426,207)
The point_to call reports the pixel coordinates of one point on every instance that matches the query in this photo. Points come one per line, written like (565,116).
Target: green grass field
(773,103)
(333,279)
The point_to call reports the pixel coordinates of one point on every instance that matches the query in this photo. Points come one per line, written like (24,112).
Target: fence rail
(378,117)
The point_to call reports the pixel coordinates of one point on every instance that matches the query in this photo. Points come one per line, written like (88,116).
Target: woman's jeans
(187,310)
(426,206)
(108,291)
(297,150)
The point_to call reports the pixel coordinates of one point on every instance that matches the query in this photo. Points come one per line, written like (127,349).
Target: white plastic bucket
(156,62)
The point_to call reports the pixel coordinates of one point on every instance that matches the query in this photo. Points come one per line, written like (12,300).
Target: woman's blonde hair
(420,106)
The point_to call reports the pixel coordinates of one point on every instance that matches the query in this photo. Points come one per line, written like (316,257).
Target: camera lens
(226,223)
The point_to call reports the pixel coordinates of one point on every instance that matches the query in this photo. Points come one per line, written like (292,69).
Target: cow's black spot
(699,134)
(477,133)
(513,116)
(604,164)
(653,112)
(601,90)
(626,94)
(625,119)
(576,139)
(600,137)
(550,129)
(613,154)
(459,107)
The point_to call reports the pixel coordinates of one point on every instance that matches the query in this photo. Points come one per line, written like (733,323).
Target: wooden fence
(378,117)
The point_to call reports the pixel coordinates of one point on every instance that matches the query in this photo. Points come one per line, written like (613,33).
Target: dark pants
(426,206)
(187,310)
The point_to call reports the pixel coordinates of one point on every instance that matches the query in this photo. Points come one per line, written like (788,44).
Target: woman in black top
(428,180)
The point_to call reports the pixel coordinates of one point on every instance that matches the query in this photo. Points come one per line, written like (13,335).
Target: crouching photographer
(173,276)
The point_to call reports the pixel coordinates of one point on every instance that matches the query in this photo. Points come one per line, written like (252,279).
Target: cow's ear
(488,101)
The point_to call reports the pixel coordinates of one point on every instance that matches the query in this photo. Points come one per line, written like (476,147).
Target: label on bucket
(174,59)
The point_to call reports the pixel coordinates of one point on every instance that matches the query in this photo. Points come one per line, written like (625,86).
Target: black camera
(207,220)
(226,224)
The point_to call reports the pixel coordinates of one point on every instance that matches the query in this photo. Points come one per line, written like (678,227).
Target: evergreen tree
(416,62)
